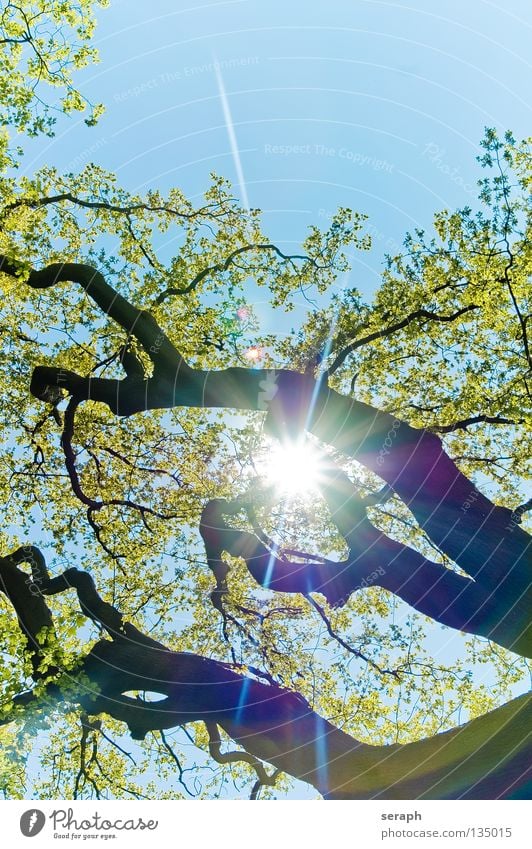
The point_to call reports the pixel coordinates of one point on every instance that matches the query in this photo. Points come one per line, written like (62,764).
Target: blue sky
(374,105)
(378,106)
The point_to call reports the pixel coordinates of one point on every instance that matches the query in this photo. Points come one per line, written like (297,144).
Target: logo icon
(32,822)
(269,389)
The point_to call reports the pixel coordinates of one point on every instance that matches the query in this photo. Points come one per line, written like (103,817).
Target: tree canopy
(41,45)
(162,596)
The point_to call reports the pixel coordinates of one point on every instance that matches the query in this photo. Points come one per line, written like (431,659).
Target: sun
(293,468)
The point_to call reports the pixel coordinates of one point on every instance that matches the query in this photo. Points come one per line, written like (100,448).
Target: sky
(306,106)
(377,106)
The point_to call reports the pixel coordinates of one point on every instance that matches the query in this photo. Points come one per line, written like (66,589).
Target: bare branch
(223,266)
(177,762)
(215,749)
(463,424)
(91,503)
(361,656)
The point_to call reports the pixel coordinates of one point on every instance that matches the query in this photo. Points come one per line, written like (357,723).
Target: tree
(118,448)
(472,280)
(41,45)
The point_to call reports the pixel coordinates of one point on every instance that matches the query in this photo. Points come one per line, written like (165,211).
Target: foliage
(42,44)
(127,507)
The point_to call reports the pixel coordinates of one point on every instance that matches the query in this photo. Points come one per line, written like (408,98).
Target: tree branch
(335,636)
(482,542)
(278,726)
(463,424)
(223,266)
(24,593)
(215,750)
(210,211)
(422,314)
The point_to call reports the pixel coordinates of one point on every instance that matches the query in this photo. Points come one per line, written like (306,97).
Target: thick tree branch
(523,508)
(268,566)
(498,611)
(491,755)
(23,591)
(374,559)
(457,518)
